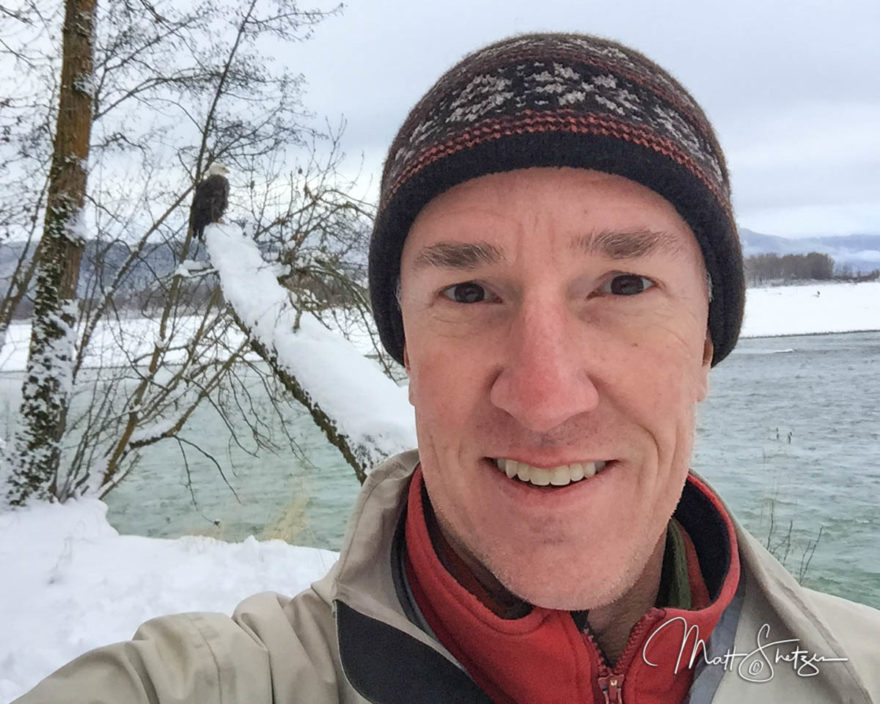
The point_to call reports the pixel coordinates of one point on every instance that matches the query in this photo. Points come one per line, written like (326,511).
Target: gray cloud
(791,86)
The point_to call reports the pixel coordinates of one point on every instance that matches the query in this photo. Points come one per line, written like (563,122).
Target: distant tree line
(814,266)
(763,268)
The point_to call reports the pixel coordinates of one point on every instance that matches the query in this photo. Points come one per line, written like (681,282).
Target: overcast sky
(792,88)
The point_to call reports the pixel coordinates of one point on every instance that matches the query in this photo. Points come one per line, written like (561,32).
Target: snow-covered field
(70,582)
(113,344)
(811,309)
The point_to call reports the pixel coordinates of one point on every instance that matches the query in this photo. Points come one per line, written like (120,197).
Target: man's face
(554,317)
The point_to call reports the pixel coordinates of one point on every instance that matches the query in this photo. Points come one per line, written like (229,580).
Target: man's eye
(468,292)
(627,285)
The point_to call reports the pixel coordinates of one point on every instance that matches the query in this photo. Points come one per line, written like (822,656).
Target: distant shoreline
(778,311)
(806,334)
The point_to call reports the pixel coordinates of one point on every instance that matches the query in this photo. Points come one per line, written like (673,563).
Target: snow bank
(71,583)
(812,309)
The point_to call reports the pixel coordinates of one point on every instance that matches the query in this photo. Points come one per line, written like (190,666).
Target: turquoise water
(792,429)
(790,437)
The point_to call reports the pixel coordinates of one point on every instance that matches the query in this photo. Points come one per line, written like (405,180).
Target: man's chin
(565,590)
(581,579)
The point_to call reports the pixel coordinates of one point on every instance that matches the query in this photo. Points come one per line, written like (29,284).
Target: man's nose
(546,376)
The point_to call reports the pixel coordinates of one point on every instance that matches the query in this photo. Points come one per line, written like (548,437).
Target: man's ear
(407,367)
(708,353)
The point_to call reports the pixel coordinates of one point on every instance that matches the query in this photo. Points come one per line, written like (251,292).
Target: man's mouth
(563,475)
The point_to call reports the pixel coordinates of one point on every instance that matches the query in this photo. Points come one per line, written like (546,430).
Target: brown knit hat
(560,100)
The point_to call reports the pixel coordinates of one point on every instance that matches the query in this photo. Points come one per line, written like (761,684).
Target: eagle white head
(217,169)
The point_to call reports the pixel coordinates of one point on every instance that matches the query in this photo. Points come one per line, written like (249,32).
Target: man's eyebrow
(627,244)
(459,255)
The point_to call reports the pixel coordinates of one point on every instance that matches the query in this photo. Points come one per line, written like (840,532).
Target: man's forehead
(611,244)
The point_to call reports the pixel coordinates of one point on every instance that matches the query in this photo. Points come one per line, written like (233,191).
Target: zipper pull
(612,688)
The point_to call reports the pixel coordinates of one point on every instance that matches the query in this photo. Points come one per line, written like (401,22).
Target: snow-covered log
(362,412)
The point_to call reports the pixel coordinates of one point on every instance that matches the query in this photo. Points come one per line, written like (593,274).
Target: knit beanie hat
(560,100)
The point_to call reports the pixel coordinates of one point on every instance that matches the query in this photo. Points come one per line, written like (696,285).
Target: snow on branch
(348,395)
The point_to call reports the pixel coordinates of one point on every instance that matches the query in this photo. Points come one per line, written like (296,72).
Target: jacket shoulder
(300,637)
(273,648)
(855,626)
(852,614)
(186,657)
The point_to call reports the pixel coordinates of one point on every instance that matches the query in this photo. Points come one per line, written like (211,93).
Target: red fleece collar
(542,657)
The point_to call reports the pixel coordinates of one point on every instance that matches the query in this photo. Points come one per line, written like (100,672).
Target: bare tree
(28,113)
(46,390)
(175,88)
(318,248)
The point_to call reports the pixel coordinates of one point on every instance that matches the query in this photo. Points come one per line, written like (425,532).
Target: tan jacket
(349,639)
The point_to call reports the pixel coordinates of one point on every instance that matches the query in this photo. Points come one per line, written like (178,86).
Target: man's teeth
(555,476)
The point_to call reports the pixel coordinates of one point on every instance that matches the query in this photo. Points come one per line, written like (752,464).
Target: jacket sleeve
(204,658)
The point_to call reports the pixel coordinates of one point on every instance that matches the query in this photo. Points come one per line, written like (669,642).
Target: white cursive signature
(753,666)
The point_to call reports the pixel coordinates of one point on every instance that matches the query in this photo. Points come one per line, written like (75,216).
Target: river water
(789,436)
(791,430)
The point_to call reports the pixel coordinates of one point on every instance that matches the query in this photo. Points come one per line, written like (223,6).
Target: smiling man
(556,264)
(556,343)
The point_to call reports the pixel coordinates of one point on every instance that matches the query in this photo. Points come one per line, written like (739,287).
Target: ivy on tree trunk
(46,389)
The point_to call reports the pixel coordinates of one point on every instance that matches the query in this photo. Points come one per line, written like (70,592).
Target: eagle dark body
(209,202)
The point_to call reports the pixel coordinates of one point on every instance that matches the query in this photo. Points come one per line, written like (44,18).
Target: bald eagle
(210,199)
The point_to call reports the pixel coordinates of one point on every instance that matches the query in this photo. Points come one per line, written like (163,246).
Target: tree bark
(46,388)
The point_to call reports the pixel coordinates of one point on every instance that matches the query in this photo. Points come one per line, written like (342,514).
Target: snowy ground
(70,582)
(812,308)
(115,344)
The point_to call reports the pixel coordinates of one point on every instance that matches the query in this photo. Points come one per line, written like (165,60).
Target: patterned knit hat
(560,100)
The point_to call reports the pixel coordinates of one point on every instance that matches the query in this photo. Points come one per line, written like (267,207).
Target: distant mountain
(100,263)
(151,271)
(861,253)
